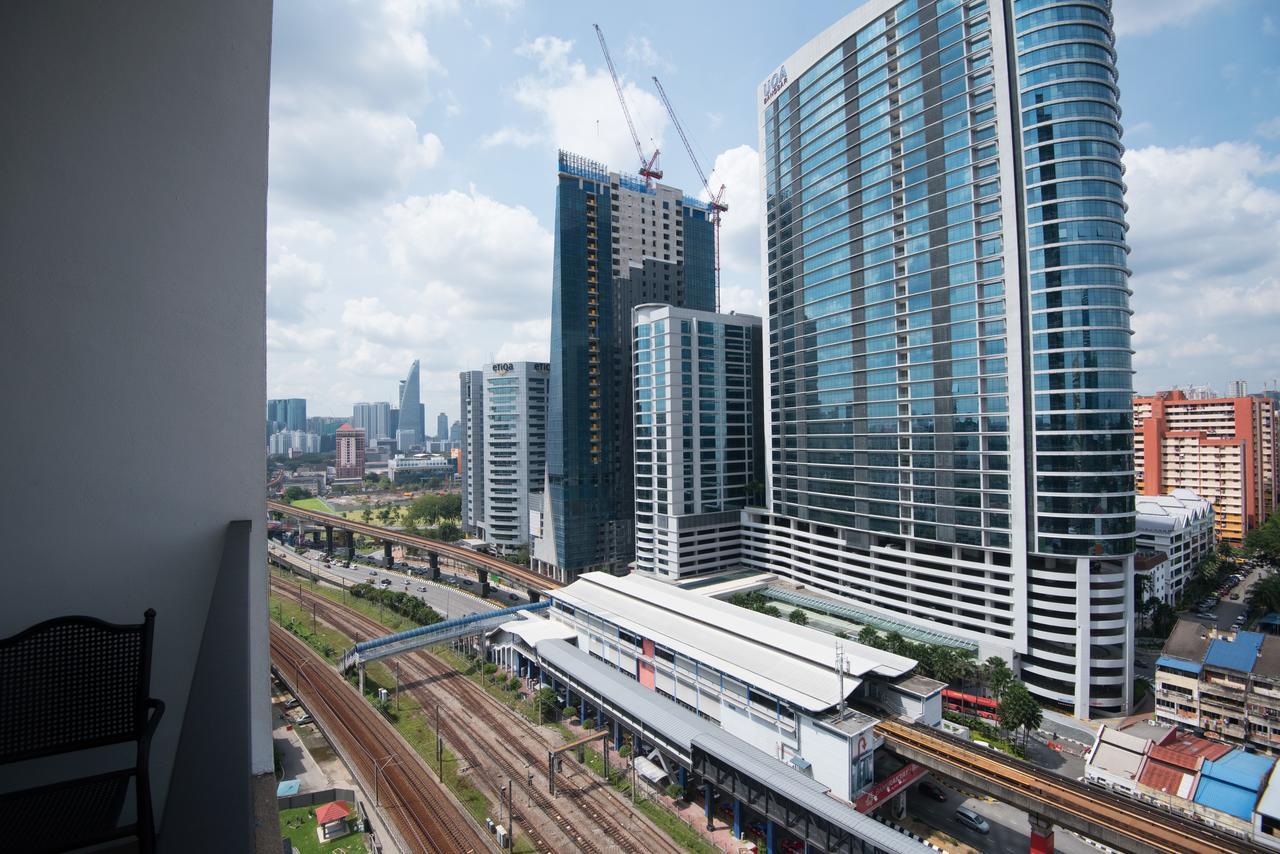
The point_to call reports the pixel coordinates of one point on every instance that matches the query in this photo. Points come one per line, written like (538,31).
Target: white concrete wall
(132,287)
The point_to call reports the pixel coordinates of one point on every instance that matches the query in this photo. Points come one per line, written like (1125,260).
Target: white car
(972,820)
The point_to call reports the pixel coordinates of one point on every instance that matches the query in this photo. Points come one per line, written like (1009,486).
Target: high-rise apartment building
(618,244)
(442,427)
(1239,388)
(1222,448)
(515,448)
(374,419)
(349,449)
(949,341)
(471,462)
(699,436)
(409,429)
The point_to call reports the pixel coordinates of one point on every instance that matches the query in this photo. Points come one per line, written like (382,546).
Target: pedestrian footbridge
(407,641)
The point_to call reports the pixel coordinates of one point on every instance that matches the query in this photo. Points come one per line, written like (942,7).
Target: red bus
(969,704)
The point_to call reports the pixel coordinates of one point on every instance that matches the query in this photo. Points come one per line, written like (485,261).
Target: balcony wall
(132,285)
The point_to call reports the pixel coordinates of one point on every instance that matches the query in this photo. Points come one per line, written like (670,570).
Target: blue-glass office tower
(618,244)
(289,413)
(412,412)
(949,336)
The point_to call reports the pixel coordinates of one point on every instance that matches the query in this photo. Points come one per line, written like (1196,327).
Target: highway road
(449,599)
(1010,827)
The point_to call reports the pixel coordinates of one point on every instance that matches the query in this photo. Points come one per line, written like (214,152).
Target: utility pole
(397,685)
(511,818)
(313,618)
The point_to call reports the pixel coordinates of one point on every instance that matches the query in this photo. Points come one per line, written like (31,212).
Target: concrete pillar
(362,679)
(351,545)
(534,595)
(597,716)
(315,538)
(1041,835)
(328,539)
(435,565)
(386,552)
(737,818)
(484,582)
(582,710)
(617,735)
(709,804)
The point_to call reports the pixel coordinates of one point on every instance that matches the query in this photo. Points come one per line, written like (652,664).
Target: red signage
(888,787)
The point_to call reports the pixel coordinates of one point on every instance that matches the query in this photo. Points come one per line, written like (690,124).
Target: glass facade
(949,341)
(618,244)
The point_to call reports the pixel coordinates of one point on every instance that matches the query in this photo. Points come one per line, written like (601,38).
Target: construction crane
(716,199)
(648,168)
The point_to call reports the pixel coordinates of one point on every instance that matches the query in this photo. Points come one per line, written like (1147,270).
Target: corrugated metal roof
(683,727)
(1238,654)
(532,629)
(1177,664)
(675,723)
(790,661)
(1231,784)
(1167,778)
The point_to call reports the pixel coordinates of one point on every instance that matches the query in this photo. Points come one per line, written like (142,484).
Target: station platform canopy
(792,662)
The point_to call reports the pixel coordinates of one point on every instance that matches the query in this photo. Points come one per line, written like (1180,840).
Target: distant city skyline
(434,242)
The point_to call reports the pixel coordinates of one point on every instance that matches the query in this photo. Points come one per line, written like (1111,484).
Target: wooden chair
(66,685)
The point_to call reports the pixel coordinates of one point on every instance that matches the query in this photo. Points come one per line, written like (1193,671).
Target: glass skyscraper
(949,342)
(618,244)
(411,409)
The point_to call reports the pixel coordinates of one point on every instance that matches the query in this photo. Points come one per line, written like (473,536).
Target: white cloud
(1205,232)
(577,109)
(509,136)
(1269,129)
(738,169)
(1138,17)
(339,157)
(640,51)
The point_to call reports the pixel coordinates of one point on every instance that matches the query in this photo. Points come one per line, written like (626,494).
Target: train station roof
(680,726)
(793,662)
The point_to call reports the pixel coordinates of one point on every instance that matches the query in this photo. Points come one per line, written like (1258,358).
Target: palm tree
(998,676)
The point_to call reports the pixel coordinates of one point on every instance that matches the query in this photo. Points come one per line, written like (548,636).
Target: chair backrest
(73,683)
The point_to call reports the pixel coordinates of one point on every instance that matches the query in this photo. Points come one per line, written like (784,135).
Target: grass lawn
(317,504)
(300,827)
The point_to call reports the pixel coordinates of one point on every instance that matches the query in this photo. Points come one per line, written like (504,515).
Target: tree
(1019,710)
(1268,593)
(296,493)
(546,705)
(448,532)
(998,676)
(1163,619)
(868,636)
(366,514)
(771,611)
(800,618)
(842,634)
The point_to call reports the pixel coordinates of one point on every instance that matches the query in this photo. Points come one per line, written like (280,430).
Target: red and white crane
(716,199)
(648,168)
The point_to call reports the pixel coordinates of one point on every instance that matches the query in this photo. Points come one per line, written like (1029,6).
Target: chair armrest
(156,711)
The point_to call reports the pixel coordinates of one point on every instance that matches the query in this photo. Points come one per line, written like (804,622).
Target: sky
(413,174)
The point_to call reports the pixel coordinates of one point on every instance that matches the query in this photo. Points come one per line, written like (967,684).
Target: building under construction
(620,241)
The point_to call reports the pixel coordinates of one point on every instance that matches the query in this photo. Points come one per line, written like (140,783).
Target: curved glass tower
(949,332)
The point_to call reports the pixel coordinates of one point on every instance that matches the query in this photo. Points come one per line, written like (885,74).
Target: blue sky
(413,174)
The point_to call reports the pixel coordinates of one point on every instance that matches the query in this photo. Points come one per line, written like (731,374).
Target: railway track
(424,814)
(1147,826)
(472,736)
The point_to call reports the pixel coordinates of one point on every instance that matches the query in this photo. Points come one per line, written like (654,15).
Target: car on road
(934,791)
(305,719)
(972,820)
(1235,597)
(386,582)
(292,703)
(373,572)
(422,588)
